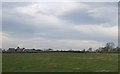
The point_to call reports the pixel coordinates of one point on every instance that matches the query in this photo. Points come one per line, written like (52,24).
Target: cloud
(96,14)
(7,41)
(59,25)
(43,43)
(14,4)
(108,13)
(80,17)
(0,39)
(22,29)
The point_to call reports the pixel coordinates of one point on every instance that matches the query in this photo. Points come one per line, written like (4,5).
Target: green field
(59,62)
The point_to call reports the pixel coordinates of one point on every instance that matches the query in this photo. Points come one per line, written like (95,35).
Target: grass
(59,62)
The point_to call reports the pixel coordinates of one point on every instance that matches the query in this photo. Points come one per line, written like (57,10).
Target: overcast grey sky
(59,25)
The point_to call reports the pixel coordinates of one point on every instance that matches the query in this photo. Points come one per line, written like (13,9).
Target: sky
(59,25)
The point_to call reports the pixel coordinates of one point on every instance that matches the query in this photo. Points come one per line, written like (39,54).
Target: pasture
(59,62)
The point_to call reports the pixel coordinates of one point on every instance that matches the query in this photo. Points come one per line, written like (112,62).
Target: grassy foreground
(59,62)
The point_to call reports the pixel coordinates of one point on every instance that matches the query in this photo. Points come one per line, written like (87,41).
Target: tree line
(108,48)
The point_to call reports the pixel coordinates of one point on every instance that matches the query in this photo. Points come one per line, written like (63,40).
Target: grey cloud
(102,4)
(83,16)
(18,26)
(14,4)
(80,17)
(24,30)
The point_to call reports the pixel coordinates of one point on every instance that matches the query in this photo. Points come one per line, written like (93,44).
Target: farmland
(60,62)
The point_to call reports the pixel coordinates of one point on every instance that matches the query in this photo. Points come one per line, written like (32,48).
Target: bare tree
(89,50)
(109,46)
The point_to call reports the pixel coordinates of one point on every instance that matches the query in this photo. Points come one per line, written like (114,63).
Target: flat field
(59,62)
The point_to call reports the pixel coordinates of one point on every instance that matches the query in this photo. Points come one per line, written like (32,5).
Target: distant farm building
(11,50)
